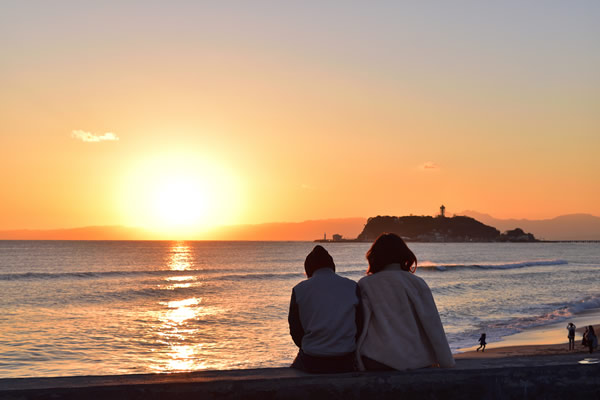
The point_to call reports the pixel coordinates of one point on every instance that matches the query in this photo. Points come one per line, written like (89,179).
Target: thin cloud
(429,166)
(91,138)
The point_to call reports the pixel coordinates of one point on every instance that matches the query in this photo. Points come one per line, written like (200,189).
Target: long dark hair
(389,248)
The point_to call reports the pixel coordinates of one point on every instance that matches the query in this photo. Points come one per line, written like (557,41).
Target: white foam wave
(513,265)
(502,328)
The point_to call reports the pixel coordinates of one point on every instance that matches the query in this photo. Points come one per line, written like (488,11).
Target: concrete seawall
(470,380)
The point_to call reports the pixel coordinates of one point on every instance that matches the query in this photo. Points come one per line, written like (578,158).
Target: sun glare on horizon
(179,201)
(178,195)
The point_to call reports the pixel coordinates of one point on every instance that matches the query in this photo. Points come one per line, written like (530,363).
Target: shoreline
(553,334)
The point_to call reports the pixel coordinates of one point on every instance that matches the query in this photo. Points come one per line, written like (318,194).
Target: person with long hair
(402,328)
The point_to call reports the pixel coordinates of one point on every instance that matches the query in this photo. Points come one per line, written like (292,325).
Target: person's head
(318,258)
(389,248)
(591,329)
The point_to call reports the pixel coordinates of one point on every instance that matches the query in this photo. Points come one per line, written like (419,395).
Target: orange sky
(263,112)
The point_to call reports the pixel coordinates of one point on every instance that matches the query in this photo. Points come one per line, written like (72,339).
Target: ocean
(122,307)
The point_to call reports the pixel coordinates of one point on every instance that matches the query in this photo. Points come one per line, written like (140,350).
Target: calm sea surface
(81,308)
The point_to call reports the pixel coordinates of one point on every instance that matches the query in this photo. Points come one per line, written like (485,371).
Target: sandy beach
(526,351)
(546,340)
(500,349)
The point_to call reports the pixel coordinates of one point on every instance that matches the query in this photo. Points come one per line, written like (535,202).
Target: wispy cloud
(429,166)
(91,138)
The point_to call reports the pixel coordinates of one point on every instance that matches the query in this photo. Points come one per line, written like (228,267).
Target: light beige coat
(402,326)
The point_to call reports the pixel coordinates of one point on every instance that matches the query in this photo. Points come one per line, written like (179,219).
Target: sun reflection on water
(182,282)
(180,320)
(182,258)
(183,358)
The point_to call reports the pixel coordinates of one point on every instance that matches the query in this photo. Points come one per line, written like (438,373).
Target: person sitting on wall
(324,317)
(402,326)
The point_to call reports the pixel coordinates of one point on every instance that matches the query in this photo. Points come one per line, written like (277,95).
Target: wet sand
(526,351)
(527,355)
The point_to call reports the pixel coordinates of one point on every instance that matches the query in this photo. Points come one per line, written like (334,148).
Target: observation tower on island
(442,211)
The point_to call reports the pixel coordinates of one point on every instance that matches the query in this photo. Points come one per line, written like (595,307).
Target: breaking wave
(518,264)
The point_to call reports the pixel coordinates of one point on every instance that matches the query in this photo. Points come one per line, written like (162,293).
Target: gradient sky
(269,111)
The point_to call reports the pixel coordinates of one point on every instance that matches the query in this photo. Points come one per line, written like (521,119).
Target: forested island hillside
(430,229)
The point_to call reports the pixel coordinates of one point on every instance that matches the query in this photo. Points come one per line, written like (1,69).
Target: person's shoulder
(346,281)
(365,280)
(301,284)
(417,278)
(394,277)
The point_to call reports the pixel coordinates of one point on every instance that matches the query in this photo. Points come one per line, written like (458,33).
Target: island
(429,229)
(440,228)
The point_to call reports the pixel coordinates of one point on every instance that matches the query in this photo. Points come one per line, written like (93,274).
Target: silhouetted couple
(388,321)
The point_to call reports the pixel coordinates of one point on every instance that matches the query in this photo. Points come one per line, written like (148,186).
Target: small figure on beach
(584,339)
(571,336)
(324,317)
(591,338)
(402,326)
(482,343)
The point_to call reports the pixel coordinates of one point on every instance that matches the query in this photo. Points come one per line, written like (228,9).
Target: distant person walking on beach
(402,326)
(324,317)
(591,338)
(482,343)
(571,336)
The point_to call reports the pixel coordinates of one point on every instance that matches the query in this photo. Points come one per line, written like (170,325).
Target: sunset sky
(181,114)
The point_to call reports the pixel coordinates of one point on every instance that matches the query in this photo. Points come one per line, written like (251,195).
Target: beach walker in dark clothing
(591,338)
(482,343)
(324,317)
(571,336)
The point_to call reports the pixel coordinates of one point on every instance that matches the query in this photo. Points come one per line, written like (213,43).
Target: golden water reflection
(181,258)
(178,334)
(179,328)
(183,358)
(182,281)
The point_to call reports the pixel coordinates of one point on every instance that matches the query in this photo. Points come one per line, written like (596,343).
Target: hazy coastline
(566,227)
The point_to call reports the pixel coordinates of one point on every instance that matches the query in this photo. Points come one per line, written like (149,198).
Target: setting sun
(180,201)
(179,193)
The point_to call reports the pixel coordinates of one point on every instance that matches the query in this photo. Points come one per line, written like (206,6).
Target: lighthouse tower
(442,211)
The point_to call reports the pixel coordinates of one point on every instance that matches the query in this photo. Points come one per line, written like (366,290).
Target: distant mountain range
(83,233)
(306,230)
(565,227)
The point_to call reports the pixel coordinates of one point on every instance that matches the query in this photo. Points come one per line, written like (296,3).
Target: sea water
(115,307)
